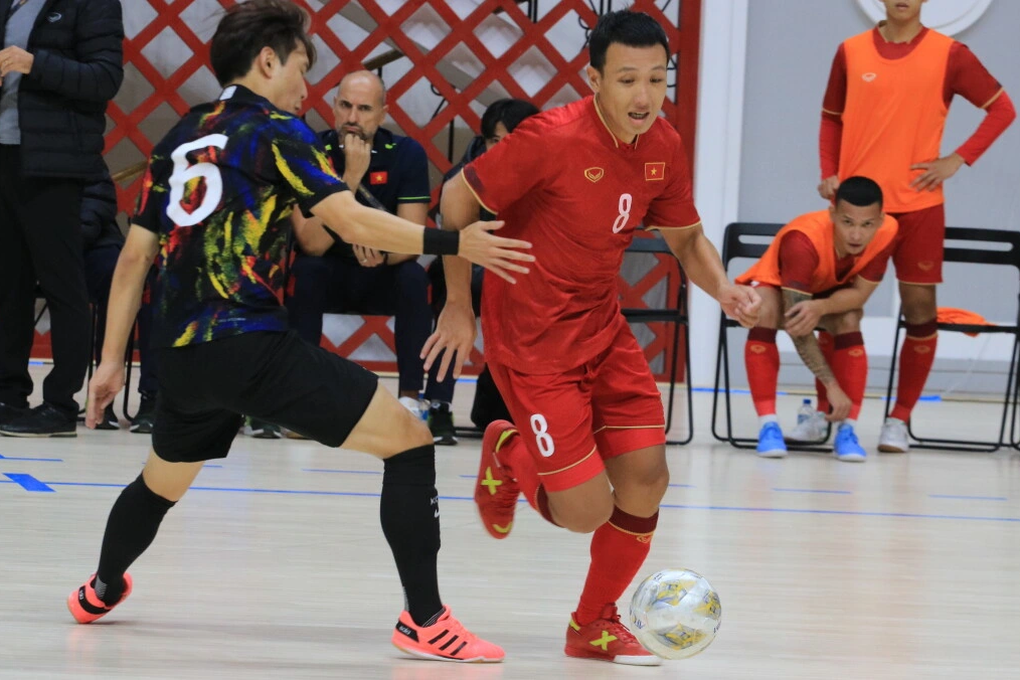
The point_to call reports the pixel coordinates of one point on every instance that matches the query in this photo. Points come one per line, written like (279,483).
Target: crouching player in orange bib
(819,271)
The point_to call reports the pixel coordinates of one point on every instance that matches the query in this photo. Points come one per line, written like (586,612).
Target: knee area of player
(583,515)
(642,496)
(847,322)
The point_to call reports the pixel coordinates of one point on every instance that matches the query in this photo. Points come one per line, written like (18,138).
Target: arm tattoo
(807,345)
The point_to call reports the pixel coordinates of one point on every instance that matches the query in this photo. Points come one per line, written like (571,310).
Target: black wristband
(440,242)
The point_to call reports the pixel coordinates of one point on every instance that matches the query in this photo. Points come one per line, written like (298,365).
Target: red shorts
(919,245)
(571,421)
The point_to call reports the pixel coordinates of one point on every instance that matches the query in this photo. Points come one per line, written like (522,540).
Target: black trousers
(341,286)
(41,241)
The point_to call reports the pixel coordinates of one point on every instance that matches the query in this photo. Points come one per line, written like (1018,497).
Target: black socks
(130,529)
(409,512)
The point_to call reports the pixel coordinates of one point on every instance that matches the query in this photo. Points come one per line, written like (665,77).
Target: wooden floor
(274,566)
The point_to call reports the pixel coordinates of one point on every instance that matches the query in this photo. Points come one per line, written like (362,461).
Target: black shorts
(206,389)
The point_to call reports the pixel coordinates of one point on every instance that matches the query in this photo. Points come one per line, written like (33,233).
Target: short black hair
(633,29)
(509,112)
(252,25)
(859,191)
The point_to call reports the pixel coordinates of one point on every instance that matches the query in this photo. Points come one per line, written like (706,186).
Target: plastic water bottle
(805,412)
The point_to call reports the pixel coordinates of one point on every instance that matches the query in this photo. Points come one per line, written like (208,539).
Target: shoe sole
(889,448)
(72,600)
(444,440)
(141,430)
(819,441)
(772,454)
(34,435)
(852,457)
(435,657)
(650,660)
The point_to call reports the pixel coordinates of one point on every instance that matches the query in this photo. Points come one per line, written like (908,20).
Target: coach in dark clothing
(388,172)
(60,64)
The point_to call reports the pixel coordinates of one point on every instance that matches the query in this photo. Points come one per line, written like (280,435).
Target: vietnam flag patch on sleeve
(380,177)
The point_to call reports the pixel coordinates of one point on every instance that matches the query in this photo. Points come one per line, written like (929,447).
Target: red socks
(761,357)
(850,366)
(916,358)
(618,549)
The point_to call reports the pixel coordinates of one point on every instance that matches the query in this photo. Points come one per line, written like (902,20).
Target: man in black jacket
(60,64)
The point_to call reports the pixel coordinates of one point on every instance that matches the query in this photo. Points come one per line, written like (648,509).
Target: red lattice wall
(159,87)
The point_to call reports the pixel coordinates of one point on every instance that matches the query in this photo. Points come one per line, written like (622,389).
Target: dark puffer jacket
(78,68)
(99,214)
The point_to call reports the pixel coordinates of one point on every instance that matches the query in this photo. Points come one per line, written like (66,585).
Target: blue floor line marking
(212,466)
(683,486)
(28,482)
(670,506)
(969,498)
(813,491)
(347,472)
(37,460)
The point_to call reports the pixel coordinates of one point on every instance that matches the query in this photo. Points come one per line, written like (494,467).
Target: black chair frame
(1011,396)
(735,246)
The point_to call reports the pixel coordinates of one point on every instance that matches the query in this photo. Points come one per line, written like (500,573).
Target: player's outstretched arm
(811,354)
(125,299)
(355,223)
(455,330)
(704,268)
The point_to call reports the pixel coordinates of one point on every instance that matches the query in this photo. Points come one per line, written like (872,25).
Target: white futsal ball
(675,613)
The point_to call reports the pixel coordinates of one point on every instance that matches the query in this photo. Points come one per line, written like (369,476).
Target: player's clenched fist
(497,254)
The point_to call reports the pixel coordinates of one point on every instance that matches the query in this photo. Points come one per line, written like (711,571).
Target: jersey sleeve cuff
(306,204)
(663,228)
(474,193)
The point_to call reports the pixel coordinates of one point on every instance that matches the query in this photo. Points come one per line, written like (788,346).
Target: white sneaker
(894,437)
(813,430)
(418,408)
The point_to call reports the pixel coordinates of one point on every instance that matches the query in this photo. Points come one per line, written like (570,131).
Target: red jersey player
(819,271)
(883,117)
(577,181)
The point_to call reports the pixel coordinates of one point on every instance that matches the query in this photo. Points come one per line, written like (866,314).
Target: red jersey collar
(616,141)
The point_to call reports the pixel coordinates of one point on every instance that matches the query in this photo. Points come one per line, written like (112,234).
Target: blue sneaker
(770,441)
(847,447)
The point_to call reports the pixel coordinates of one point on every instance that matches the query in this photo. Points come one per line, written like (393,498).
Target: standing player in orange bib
(883,117)
(577,180)
(819,271)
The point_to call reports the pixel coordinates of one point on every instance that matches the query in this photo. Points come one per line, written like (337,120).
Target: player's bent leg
(850,367)
(387,428)
(130,529)
(169,480)
(618,549)
(761,356)
(409,514)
